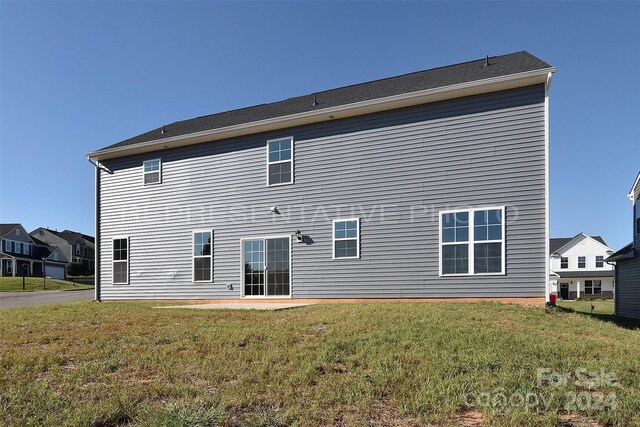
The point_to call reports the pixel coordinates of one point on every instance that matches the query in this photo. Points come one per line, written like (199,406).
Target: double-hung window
(56,257)
(346,238)
(25,248)
(599,261)
(472,242)
(564,262)
(152,171)
(202,256)
(582,262)
(17,247)
(593,287)
(121,261)
(280,161)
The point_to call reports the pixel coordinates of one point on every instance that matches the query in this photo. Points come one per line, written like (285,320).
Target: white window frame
(264,239)
(17,250)
(26,249)
(56,256)
(193,257)
(471,242)
(334,239)
(563,258)
(281,161)
(159,171)
(585,261)
(592,287)
(601,261)
(113,262)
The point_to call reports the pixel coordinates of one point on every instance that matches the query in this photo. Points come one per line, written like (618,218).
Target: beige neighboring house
(77,247)
(578,268)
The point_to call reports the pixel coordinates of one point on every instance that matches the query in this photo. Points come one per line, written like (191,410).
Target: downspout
(547,86)
(615,285)
(96,252)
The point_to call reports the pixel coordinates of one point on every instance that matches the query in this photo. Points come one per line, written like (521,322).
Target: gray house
(627,260)
(432,184)
(23,255)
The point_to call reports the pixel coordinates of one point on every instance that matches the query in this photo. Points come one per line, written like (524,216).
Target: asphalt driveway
(21,299)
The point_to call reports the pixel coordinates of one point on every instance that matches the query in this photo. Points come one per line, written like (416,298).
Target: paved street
(21,299)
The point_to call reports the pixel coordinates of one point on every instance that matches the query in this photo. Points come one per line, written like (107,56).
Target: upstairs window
(202,256)
(17,247)
(78,248)
(280,161)
(599,261)
(25,248)
(564,262)
(346,238)
(120,261)
(55,256)
(472,242)
(582,262)
(152,171)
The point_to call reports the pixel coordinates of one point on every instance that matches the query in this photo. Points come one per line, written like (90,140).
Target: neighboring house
(627,262)
(432,184)
(23,255)
(578,267)
(77,247)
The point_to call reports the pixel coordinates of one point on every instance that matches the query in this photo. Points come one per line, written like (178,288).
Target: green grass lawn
(35,284)
(108,364)
(600,307)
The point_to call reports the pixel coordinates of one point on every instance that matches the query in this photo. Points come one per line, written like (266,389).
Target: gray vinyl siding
(628,288)
(395,170)
(22,237)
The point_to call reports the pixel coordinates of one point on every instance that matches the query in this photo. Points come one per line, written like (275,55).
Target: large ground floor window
(472,241)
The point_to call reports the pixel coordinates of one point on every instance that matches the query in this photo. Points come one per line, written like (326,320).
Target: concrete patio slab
(240,306)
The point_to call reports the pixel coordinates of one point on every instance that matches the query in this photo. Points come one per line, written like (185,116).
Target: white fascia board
(477,87)
(633,188)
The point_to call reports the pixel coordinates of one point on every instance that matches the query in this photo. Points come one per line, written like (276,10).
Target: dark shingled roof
(627,252)
(557,243)
(499,66)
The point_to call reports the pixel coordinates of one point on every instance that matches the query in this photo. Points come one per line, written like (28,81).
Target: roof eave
(477,87)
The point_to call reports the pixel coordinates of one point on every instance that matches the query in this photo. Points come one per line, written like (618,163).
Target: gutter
(477,87)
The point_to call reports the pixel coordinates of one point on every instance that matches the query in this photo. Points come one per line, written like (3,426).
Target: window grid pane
(486,242)
(202,256)
(346,239)
(582,262)
(280,161)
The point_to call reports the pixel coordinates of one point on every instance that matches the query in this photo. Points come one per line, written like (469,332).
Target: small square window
(152,171)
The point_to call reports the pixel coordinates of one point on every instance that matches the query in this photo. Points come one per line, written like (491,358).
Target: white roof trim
(633,187)
(477,87)
(557,251)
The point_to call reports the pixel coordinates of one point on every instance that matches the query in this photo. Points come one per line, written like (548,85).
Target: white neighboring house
(578,269)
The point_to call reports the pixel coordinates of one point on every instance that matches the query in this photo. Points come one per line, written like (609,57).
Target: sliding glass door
(266,264)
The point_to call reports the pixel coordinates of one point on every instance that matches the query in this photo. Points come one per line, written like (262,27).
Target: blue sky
(77,76)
